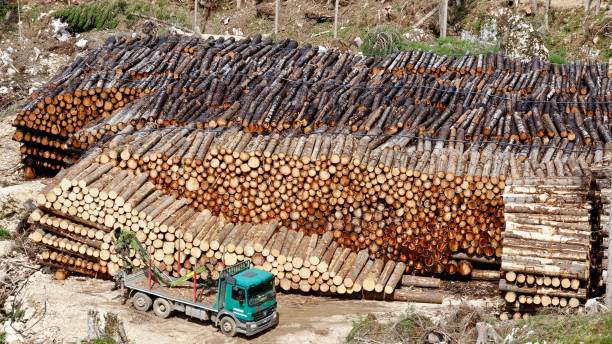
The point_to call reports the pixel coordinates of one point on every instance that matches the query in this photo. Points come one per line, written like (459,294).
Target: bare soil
(303,319)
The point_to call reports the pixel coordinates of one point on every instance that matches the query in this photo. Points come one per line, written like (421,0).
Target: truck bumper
(252,328)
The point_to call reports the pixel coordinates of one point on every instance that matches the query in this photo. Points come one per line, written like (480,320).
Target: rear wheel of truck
(162,308)
(228,326)
(141,302)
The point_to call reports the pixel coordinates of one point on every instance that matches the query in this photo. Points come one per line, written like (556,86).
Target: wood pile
(336,172)
(79,209)
(547,243)
(602,174)
(267,86)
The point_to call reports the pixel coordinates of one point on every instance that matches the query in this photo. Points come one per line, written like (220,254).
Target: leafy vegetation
(385,40)
(89,16)
(558,56)
(582,328)
(459,326)
(382,40)
(571,34)
(2,337)
(4,234)
(160,9)
(103,340)
(106,15)
(455,46)
(6,6)
(410,329)
(359,326)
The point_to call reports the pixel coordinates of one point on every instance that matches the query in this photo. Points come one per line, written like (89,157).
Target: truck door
(221,296)
(236,299)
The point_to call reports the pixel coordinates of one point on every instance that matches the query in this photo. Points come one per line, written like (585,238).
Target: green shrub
(363,324)
(558,56)
(4,234)
(89,16)
(5,7)
(103,340)
(382,40)
(455,46)
(106,15)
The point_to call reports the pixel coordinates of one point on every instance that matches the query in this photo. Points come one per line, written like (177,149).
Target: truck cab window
(238,294)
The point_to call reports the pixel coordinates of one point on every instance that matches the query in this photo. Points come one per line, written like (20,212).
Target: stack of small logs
(602,174)
(79,209)
(547,243)
(267,86)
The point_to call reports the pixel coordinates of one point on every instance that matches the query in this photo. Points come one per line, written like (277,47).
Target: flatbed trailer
(239,303)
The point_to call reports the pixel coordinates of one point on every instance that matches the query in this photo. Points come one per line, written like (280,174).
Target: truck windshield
(261,293)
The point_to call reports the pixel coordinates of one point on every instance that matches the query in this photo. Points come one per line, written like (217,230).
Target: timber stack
(602,174)
(157,185)
(547,243)
(266,86)
(336,172)
(79,209)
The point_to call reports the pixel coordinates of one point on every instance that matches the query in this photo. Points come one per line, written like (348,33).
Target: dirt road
(302,319)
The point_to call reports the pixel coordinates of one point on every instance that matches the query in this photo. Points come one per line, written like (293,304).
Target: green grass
(411,328)
(558,56)
(103,340)
(33,13)
(6,6)
(569,33)
(383,40)
(583,328)
(160,9)
(4,234)
(361,325)
(454,46)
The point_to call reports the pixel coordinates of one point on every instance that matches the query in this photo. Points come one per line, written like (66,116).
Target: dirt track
(302,319)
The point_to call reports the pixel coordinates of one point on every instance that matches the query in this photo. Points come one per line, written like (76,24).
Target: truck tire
(228,326)
(141,302)
(162,308)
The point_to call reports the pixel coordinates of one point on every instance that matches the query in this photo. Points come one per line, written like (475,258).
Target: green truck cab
(243,300)
(249,299)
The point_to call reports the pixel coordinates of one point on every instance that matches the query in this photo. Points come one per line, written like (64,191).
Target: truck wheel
(141,302)
(162,308)
(228,326)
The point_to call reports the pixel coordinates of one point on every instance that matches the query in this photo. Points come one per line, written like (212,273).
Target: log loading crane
(242,300)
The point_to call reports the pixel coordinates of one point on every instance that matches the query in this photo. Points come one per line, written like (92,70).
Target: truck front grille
(263,313)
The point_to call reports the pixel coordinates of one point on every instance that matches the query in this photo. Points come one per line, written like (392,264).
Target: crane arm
(126,240)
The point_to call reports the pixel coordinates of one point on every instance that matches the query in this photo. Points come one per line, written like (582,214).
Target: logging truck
(242,300)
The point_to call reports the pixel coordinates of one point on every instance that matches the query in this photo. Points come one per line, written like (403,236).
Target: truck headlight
(252,326)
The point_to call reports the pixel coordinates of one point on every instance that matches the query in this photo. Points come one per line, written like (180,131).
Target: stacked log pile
(79,209)
(416,204)
(267,86)
(336,172)
(547,243)
(601,241)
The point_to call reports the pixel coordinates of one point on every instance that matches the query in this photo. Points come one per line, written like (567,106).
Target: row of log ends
(601,240)
(267,86)
(416,205)
(547,243)
(455,194)
(79,209)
